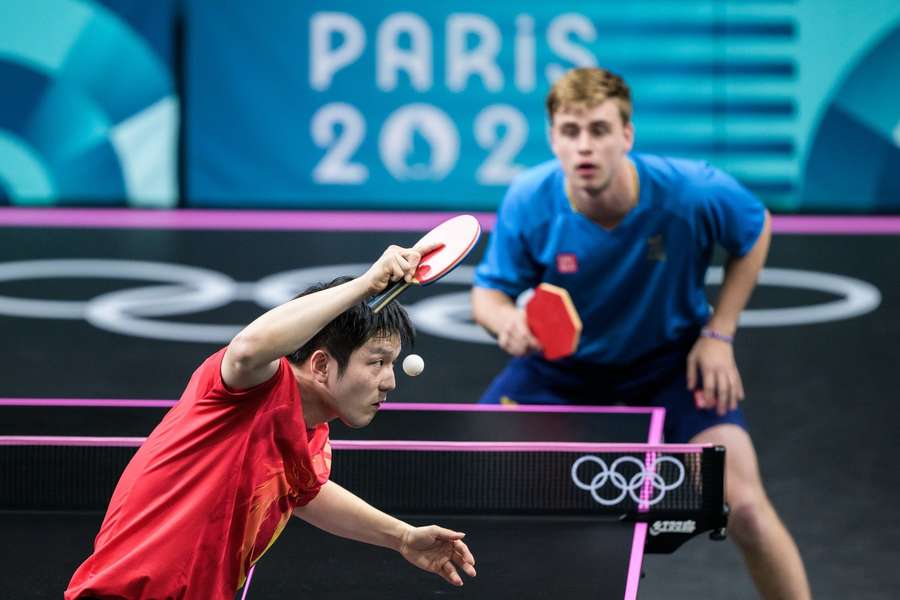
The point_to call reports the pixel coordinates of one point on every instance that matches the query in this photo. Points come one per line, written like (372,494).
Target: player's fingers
(412,257)
(528,340)
(519,342)
(709,387)
(467,567)
(406,268)
(691,371)
(424,249)
(403,261)
(409,269)
(734,392)
(445,535)
(448,572)
(512,345)
(462,551)
(723,393)
(397,270)
(505,342)
(734,397)
(739,384)
(699,400)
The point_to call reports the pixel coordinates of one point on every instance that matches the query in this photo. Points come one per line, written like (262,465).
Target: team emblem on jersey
(656,248)
(566,262)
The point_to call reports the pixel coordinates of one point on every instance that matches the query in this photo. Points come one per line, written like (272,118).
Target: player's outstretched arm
(252,356)
(713,356)
(433,549)
(498,314)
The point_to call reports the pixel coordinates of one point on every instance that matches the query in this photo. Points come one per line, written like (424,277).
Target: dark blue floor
(821,398)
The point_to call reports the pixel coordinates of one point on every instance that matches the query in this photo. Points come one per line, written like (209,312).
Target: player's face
(591,144)
(359,392)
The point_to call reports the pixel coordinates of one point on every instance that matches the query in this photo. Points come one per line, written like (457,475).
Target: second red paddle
(553,320)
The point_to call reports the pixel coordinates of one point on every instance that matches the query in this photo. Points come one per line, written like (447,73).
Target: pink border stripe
(429,445)
(657,420)
(422,406)
(65,440)
(637,558)
(543,408)
(115,403)
(268,220)
(336,220)
(247,583)
(844,225)
(421,445)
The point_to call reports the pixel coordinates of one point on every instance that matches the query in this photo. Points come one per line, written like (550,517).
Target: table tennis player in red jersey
(247,445)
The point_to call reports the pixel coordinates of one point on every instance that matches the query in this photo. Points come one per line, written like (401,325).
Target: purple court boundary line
(639,538)
(657,420)
(428,445)
(335,220)
(247,583)
(115,403)
(544,408)
(637,559)
(67,440)
(424,445)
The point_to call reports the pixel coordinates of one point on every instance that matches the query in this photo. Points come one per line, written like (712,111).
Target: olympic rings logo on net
(646,486)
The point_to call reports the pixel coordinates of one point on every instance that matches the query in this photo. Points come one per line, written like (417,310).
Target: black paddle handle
(390,292)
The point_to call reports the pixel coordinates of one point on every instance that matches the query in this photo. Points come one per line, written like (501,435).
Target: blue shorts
(658,379)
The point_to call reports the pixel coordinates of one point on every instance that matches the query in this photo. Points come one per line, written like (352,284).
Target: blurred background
(342,104)
(223,154)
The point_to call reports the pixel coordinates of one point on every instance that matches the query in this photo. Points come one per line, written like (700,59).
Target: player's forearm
(491,308)
(741,274)
(342,513)
(285,328)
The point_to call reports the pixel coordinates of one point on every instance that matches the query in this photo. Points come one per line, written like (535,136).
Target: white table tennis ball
(413,365)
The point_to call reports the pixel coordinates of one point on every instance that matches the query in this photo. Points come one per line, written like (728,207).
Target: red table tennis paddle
(457,236)
(553,320)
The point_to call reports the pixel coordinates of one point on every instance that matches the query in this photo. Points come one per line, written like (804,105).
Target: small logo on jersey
(659,527)
(566,263)
(656,248)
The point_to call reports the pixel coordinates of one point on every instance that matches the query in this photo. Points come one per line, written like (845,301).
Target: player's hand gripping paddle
(457,237)
(553,320)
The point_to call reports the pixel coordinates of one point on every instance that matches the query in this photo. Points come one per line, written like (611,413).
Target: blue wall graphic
(398,104)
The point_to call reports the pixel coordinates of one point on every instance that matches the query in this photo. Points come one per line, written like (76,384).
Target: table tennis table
(526,484)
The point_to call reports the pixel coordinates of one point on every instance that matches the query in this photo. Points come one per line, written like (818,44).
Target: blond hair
(589,86)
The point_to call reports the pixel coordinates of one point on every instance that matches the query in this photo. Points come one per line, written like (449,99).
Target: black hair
(354,327)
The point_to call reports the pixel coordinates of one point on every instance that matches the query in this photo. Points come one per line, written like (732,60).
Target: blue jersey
(639,285)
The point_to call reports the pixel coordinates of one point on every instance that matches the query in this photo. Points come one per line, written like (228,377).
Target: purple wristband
(715,335)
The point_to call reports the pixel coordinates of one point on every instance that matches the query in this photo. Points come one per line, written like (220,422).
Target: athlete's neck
(315,410)
(609,205)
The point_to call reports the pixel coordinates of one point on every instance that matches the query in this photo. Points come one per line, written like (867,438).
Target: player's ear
(628,131)
(319,365)
(551,135)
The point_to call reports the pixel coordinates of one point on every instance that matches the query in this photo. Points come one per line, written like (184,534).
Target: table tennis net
(535,482)
(419,482)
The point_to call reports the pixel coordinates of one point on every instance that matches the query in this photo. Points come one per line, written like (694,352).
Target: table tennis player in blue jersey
(630,236)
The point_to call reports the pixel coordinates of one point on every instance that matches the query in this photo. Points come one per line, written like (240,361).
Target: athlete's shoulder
(536,181)
(685,181)
(531,199)
(674,173)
